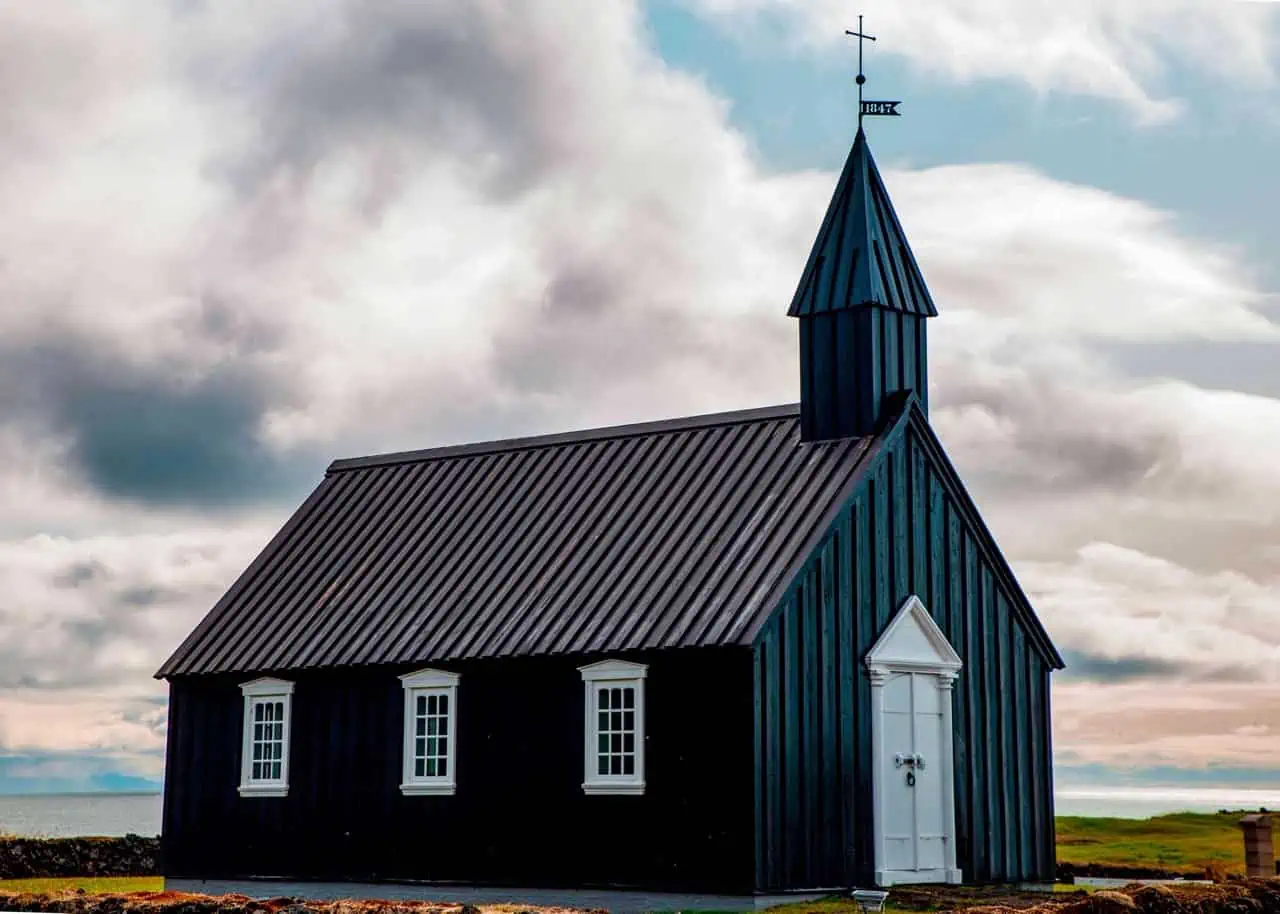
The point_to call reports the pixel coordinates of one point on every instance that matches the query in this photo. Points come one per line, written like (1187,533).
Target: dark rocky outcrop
(1068,871)
(1240,896)
(29,858)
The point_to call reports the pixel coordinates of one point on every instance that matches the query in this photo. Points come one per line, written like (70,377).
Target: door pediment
(913,641)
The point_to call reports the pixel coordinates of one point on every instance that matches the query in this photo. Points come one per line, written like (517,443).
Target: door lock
(915,760)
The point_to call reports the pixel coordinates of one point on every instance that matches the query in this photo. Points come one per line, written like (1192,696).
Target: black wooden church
(748,652)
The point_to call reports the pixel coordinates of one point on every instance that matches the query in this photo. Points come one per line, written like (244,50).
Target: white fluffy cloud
(245,239)
(1120,50)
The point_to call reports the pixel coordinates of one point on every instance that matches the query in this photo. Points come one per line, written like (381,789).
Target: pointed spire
(861,256)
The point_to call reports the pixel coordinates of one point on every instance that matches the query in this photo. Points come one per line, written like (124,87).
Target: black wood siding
(519,816)
(851,362)
(903,533)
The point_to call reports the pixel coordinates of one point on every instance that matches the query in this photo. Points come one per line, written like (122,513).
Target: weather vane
(889,109)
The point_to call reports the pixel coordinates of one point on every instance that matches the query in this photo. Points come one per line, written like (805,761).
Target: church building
(752,652)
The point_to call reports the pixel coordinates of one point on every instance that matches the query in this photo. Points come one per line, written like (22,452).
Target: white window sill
(263,790)
(632,788)
(420,790)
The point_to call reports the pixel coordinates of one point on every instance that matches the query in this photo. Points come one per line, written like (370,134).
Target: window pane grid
(431,735)
(615,731)
(267,740)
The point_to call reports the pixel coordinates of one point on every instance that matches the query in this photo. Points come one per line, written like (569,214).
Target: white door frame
(899,649)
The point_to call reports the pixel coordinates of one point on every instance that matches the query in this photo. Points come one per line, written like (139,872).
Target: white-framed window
(430,732)
(614,728)
(264,757)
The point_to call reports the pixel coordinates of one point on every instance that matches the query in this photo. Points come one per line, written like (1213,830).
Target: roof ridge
(603,433)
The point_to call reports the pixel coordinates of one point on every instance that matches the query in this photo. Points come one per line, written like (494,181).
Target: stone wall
(27,858)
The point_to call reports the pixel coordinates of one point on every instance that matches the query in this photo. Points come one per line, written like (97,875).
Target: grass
(1182,842)
(92,884)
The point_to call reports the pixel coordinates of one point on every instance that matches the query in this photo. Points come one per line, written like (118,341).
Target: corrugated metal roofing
(665,534)
(861,255)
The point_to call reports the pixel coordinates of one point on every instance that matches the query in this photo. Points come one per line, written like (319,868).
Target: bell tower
(862,305)
(861,302)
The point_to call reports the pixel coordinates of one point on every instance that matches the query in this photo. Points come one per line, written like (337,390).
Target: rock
(1157,899)
(1100,903)
(27,858)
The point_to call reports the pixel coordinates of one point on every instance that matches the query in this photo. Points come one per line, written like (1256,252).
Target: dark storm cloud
(1099,668)
(152,434)
(1095,667)
(142,438)
(405,83)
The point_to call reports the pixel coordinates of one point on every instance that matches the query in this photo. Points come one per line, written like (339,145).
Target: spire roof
(861,256)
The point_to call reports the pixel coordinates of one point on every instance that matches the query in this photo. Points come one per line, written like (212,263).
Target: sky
(238,240)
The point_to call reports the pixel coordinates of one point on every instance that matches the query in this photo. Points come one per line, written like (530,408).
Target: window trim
(255,691)
(609,673)
(427,682)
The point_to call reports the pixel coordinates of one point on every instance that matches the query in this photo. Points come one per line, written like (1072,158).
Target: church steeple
(862,305)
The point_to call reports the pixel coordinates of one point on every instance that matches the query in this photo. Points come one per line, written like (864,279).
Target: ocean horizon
(61,815)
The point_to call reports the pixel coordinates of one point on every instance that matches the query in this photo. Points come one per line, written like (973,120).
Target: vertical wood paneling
(902,533)
(988,669)
(828,745)
(1046,767)
(793,740)
(850,361)
(763,727)
(773,776)
(1022,760)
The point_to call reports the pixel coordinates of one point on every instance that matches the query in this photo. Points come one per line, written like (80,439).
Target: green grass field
(89,884)
(1181,842)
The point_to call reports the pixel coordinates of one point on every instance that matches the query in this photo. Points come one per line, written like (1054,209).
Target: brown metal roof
(664,534)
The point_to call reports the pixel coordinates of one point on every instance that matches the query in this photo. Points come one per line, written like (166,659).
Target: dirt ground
(182,903)
(1254,896)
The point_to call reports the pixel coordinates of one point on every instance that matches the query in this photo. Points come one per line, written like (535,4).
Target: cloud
(245,238)
(1124,608)
(1221,727)
(96,612)
(1122,52)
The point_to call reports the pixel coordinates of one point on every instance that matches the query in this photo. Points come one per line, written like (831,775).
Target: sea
(63,815)
(72,814)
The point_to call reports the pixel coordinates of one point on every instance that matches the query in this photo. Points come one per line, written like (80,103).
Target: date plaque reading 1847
(885,108)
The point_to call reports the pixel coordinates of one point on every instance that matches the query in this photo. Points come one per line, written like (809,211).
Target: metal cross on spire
(869,108)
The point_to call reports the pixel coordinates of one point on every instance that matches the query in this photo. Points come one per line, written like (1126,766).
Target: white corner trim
(263,790)
(421,679)
(424,788)
(613,669)
(266,686)
(887,653)
(628,788)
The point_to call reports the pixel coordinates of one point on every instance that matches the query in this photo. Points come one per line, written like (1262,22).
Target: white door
(912,669)
(911,775)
